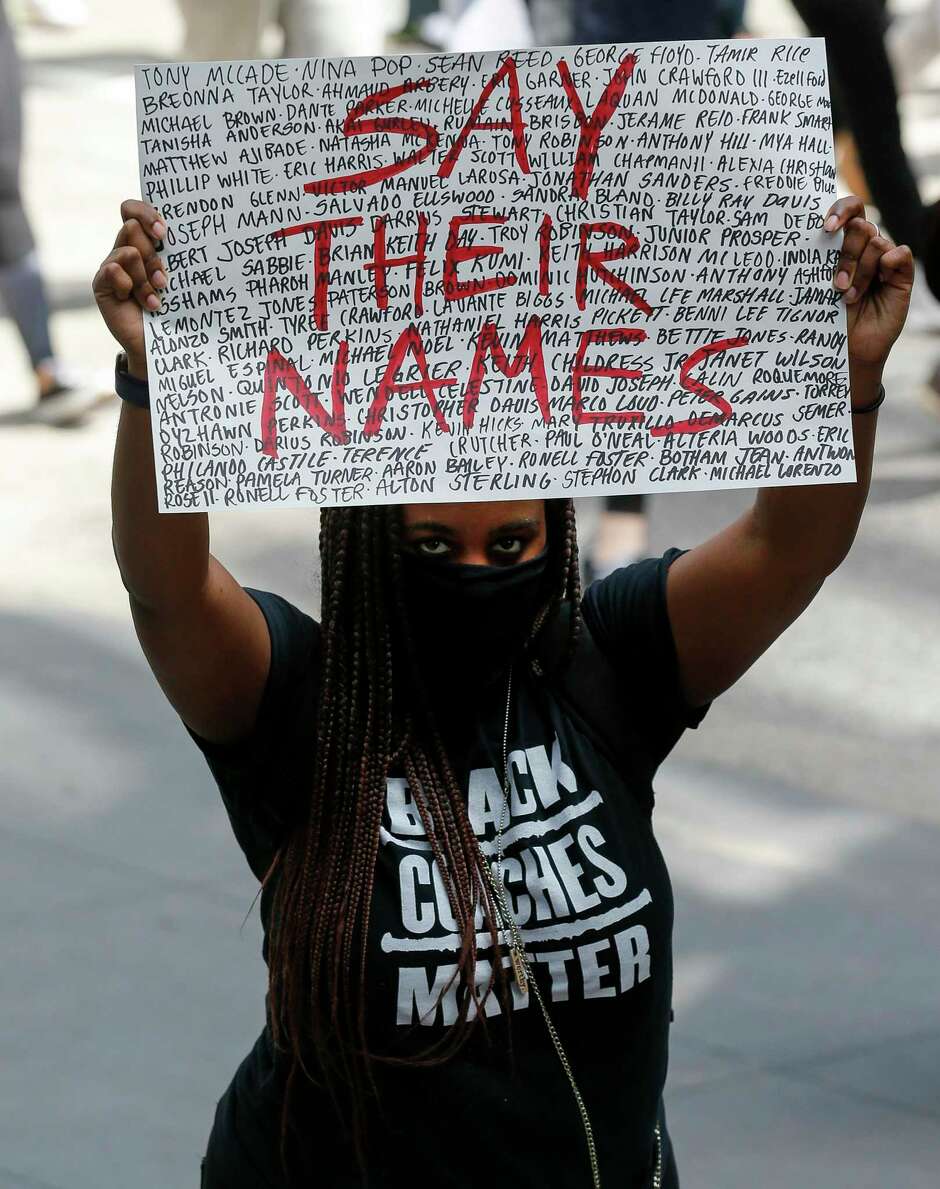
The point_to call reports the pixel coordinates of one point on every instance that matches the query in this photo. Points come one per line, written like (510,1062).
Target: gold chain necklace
(522,969)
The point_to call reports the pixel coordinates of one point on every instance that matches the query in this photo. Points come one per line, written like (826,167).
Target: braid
(374,715)
(572,571)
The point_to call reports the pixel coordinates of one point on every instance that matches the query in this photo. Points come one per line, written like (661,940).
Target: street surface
(801,822)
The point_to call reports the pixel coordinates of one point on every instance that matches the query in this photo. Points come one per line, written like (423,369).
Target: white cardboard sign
(455,277)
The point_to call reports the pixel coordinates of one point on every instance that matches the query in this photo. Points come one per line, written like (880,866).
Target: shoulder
(291,680)
(630,602)
(262,775)
(295,635)
(627,617)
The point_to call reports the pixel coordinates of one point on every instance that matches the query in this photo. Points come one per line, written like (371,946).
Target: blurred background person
(865,102)
(620,534)
(60,398)
(867,129)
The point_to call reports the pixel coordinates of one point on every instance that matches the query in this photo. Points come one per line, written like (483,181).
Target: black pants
(640,20)
(867,102)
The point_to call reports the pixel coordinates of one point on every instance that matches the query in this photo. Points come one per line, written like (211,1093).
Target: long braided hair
(373,716)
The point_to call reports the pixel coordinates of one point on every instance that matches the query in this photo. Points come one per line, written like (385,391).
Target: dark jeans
(16,239)
(647,20)
(22,294)
(640,20)
(862,82)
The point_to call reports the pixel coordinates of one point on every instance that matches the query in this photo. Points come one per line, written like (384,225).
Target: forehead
(468,519)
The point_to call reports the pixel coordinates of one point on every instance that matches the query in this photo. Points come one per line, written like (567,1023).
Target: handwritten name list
(452,277)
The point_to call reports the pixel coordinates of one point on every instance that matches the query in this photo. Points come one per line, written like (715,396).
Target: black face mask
(469,622)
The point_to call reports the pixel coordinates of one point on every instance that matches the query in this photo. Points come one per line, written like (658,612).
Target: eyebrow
(513,526)
(501,530)
(431,526)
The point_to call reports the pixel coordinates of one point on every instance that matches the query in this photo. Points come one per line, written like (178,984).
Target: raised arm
(205,638)
(732,596)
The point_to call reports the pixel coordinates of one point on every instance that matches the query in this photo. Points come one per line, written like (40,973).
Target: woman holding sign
(445,789)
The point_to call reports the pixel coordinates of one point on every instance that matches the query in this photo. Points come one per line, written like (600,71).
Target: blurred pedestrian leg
(731,16)
(335,28)
(219,32)
(863,86)
(914,42)
(551,21)
(22,292)
(233,29)
(619,534)
(865,99)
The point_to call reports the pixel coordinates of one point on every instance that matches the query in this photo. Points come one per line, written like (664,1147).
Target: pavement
(801,822)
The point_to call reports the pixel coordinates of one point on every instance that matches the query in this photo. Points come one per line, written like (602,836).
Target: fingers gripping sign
(132,270)
(875,277)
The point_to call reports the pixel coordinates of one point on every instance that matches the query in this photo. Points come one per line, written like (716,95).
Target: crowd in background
(872,57)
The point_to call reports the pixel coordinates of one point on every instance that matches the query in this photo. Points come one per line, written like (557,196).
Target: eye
(508,546)
(432,547)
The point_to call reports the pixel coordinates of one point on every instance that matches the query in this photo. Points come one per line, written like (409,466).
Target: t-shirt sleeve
(628,617)
(262,776)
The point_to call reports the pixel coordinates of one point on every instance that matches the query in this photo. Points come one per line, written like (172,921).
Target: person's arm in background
(205,638)
(732,596)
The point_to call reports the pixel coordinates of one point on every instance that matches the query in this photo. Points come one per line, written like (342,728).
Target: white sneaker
(68,405)
(58,14)
(435,29)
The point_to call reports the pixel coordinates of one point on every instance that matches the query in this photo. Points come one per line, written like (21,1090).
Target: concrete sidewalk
(801,822)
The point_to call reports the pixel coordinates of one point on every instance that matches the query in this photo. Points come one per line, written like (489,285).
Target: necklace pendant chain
(522,971)
(518,968)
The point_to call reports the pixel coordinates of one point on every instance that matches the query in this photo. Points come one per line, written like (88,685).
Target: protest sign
(446,277)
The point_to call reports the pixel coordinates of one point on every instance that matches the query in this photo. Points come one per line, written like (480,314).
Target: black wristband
(875,404)
(135,392)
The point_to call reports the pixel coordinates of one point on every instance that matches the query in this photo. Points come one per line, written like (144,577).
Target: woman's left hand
(876,278)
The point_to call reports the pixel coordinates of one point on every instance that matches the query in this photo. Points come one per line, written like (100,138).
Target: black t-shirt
(587,884)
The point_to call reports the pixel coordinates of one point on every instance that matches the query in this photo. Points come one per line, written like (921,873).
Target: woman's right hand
(129,280)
